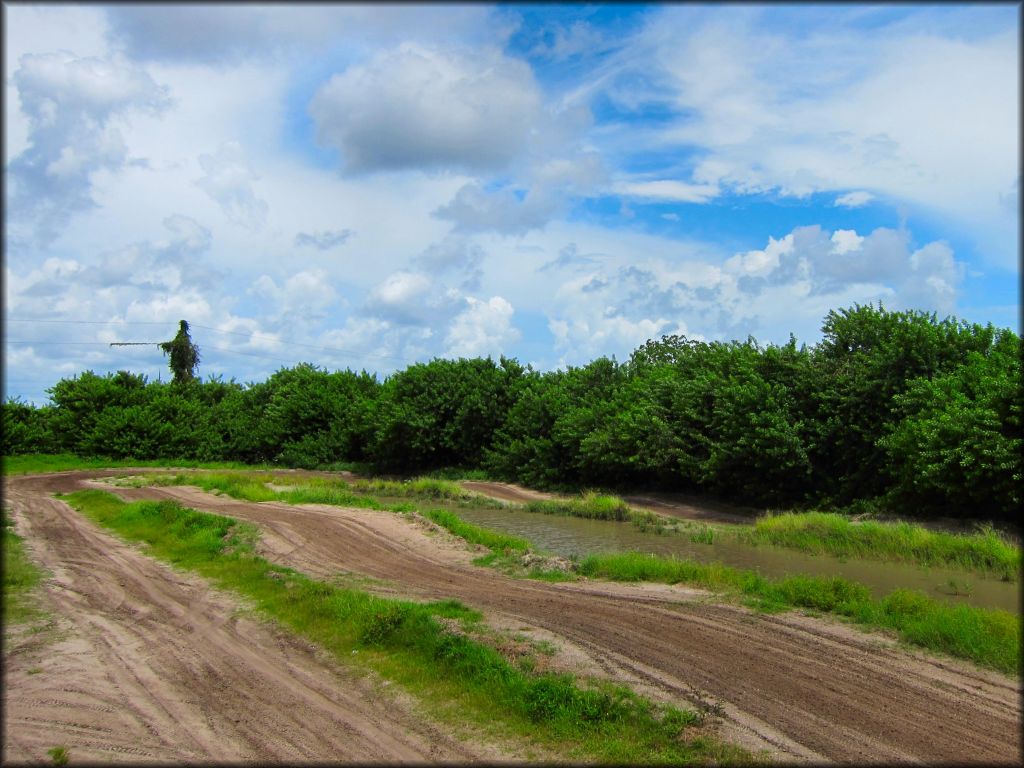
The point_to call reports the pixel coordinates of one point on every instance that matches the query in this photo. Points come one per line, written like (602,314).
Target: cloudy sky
(367,186)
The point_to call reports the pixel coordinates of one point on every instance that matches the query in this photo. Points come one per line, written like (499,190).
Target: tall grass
(823,532)
(589,505)
(989,637)
(404,641)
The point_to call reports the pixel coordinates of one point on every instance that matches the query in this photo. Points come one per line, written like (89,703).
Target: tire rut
(809,689)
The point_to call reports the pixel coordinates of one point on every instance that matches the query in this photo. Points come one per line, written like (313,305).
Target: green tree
(957,449)
(184,355)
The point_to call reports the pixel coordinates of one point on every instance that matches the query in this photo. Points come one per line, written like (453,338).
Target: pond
(577,537)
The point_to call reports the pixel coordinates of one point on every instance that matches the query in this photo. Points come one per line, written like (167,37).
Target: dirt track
(804,689)
(152,665)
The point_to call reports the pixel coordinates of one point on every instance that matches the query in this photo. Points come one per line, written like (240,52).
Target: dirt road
(804,689)
(153,665)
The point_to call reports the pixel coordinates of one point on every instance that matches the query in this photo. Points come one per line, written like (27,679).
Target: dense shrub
(890,409)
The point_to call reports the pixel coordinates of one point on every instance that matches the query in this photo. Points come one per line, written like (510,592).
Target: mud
(804,689)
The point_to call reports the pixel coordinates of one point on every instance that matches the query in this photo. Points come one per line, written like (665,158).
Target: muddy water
(571,536)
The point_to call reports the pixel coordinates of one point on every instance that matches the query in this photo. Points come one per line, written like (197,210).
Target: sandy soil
(150,664)
(803,689)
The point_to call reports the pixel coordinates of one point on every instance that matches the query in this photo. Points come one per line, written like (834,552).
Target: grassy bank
(461,678)
(63,462)
(21,577)
(988,637)
(596,506)
(821,532)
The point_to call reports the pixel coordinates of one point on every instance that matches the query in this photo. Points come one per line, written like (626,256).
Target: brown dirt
(802,688)
(150,664)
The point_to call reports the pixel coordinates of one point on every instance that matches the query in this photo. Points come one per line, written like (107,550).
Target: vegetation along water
(893,411)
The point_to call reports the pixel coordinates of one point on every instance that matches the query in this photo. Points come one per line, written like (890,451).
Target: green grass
(63,462)
(597,506)
(822,532)
(988,637)
(499,543)
(21,577)
(460,678)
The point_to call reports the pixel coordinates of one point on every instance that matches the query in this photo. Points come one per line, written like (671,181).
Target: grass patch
(828,533)
(64,462)
(989,637)
(405,642)
(21,577)
(597,506)
(499,543)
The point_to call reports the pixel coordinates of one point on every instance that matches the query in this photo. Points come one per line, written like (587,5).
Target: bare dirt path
(803,688)
(153,665)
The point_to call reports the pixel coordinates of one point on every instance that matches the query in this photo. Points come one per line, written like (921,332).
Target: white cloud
(483,328)
(303,298)
(223,34)
(846,240)
(769,109)
(228,180)
(417,107)
(509,211)
(323,241)
(71,104)
(857,199)
(667,189)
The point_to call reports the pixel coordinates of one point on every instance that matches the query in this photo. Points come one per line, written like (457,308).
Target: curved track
(805,689)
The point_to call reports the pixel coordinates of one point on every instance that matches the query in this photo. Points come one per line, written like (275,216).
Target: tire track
(156,666)
(807,688)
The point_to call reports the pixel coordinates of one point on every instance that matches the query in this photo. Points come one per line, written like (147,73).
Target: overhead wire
(333,350)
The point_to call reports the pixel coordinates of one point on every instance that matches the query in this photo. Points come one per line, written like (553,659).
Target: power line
(87,322)
(333,350)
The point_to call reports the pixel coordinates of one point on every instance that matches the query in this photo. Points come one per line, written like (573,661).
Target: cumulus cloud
(763,120)
(457,254)
(72,105)
(140,272)
(323,241)
(881,263)
(414,308)
(303,298)
(222,34)
(414,107)
(482,328)
(667,189)
(856,199)
(509,211)
(570,256)
(228,180)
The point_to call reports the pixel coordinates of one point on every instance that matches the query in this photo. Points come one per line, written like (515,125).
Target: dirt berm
(803,688)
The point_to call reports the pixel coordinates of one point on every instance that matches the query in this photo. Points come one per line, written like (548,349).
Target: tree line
(891,409)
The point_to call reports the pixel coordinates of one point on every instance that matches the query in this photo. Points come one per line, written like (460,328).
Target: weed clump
(834,534)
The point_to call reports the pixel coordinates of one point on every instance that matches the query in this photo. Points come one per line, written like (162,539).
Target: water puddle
(572,536)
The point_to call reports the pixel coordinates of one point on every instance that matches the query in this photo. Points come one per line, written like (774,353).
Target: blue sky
(372,186)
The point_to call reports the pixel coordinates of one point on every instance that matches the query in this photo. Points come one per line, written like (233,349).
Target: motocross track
(150,664)
(804,689)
